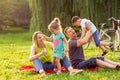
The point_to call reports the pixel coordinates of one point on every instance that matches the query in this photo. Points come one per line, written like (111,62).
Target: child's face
(77,23)
(54,31)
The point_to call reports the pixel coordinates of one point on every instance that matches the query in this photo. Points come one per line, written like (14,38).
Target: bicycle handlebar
(116,23)
(102,25)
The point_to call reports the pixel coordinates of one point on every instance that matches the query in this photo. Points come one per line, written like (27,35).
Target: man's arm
(84,30)
(85,39)
(67,47)
(83,33)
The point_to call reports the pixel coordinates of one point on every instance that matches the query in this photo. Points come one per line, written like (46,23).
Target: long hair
(55,24)
(34,38)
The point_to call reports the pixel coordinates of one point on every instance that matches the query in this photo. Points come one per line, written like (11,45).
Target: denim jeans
(96,38)
(49,66)
(45,66)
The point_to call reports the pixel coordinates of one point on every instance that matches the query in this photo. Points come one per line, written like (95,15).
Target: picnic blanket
(32,69)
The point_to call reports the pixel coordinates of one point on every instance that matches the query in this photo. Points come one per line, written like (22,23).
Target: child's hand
(64,54)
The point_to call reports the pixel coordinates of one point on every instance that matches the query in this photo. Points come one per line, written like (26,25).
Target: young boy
(88,25)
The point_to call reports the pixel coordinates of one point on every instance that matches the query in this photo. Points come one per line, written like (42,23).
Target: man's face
(71,33)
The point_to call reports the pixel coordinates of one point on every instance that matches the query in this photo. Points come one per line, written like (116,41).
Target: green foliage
(14,12)
(43,11)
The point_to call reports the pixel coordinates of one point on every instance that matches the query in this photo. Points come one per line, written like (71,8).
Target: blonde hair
(34,38)
(55,24)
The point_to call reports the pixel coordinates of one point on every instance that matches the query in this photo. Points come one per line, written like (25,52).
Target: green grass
(14,52)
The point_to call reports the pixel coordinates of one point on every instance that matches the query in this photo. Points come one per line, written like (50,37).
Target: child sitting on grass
(88,25)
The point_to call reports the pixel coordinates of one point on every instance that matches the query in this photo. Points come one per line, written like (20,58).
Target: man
(76,53)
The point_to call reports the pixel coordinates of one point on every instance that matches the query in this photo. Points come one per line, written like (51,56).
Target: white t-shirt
(86,21)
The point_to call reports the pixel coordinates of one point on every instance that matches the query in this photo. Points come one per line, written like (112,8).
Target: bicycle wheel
(106,36)
(117,40)
(115,37)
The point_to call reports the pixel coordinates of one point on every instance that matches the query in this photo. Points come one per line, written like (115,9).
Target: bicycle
(116,28)
(110,35)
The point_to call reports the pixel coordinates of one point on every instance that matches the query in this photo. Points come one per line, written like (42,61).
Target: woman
(41,55)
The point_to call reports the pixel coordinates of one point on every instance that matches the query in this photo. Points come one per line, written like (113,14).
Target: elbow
(85,41)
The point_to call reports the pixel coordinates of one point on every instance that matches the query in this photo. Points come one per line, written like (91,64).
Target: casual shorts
(90,63)
(96,38)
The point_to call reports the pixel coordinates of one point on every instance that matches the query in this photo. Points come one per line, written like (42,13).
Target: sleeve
(72,43)
(62,35)
(51,36)
(87,22)
(84,22)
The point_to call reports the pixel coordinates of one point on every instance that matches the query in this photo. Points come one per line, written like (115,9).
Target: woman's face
(39,37)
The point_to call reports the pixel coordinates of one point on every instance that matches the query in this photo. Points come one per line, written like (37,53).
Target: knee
(57,60)
(97,44)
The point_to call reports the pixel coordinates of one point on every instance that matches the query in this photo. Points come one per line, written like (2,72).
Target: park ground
(15,49)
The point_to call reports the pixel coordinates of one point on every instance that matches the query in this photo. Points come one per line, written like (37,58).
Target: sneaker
(104,52)
(118,67)
(58,72)
(75,71)
(111,47)
(42,74)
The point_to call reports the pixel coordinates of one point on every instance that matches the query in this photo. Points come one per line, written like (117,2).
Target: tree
(13,12)
(43,11)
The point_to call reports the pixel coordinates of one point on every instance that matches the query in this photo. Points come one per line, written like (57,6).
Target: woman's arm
(33,54)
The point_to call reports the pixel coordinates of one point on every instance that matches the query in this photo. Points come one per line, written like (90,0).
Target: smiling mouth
(73,32)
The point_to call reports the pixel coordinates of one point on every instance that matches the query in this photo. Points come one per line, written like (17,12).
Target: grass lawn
(14,52)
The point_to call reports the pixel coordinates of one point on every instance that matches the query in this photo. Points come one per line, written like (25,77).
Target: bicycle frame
(103,33)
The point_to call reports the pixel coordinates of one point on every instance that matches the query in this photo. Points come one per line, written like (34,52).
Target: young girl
(58,40)
(88,25)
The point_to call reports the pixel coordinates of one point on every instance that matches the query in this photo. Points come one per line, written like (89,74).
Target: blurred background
(35,15)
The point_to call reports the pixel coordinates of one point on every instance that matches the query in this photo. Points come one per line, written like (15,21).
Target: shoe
(42,74)
(118,67)
(75,71)
(111,47)
(58,72)
(104,53)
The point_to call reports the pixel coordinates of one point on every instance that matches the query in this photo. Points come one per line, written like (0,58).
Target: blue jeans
(96,38)
(90,63)
(45,66)
(49,66)
(65,62)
